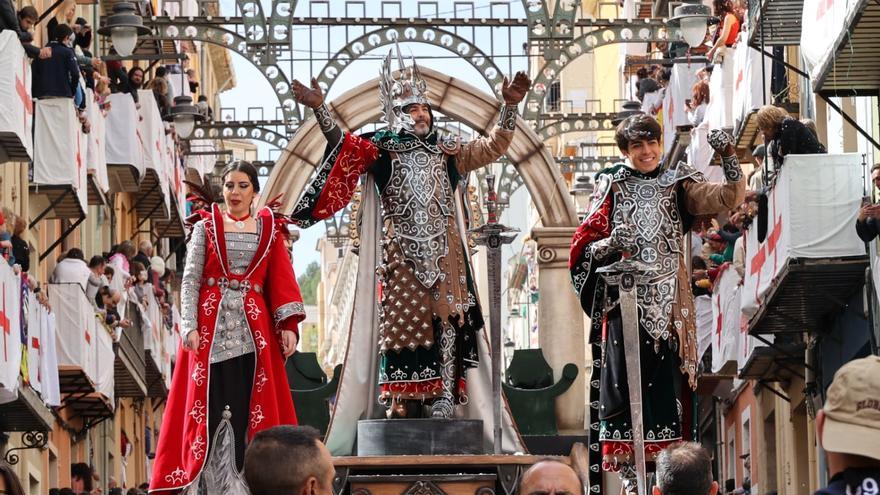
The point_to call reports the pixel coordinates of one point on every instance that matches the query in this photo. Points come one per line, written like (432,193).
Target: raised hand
(514,91)
(311,97)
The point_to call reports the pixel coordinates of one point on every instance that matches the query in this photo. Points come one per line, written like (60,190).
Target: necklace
(238,222)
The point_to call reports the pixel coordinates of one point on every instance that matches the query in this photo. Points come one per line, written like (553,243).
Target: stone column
(561,323)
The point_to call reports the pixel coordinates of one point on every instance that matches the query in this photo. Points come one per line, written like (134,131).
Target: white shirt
(71,271)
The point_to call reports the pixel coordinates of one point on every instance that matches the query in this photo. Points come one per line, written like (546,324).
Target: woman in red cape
(239,322)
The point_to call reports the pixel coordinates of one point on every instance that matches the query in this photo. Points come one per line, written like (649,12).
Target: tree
(308,283)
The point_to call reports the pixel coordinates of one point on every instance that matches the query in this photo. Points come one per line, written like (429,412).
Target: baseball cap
(852,409)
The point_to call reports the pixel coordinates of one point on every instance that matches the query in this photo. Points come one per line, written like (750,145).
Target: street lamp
(123,27)
(628,109)
(184,115)
(692,18)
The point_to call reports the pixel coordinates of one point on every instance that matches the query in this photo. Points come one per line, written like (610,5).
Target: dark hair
(66,491)
(75,253)
(82,471)
(135,69)
(13,485)
(203,98)
(137,267)
(638,127)
(96,261)
(245,168)
(721,8)
(29,12)
(161,71)
(875,167)
(548,460)
(684,469)
(62,32)
(281,459)
(698,263)
(109,270)
(115,491)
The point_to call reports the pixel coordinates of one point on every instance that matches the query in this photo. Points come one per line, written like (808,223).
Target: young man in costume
(429,315)
(643,209)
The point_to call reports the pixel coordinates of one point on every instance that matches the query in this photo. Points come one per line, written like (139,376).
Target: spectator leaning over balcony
(696,105)
(72,269)
(20,248)
(58,75)
(159,86)
(868,222)
(97,264)
(121,258)
(785,135)
(27,19)
(725,35)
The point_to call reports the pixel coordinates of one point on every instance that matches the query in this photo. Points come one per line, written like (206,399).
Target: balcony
(844,59)
(16,108)
(96,154)
(775,22)
(794,276)
(159,344)
(151,200)
(85,354)
(22,405)
(59,188)
(129,366)
(125,161)
(750,92)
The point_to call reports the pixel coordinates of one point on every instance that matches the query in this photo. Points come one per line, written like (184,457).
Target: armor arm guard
(192,280)
(328,125)
(485,150)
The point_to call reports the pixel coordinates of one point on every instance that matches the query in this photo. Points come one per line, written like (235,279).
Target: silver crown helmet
(397,93)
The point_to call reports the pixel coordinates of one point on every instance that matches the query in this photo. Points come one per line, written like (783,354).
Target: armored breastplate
(418,201)
(651,207)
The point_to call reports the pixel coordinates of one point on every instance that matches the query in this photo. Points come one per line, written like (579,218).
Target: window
(554,97)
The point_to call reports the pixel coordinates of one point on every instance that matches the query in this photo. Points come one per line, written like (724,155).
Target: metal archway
(619,31)
(433,36)
(240,130)
(577,123)
(453,97)
(259,56)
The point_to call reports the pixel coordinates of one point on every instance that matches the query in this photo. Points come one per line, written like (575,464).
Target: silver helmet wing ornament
(397,93)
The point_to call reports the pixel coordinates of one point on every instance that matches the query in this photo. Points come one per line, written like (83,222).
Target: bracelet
(732,170)
(507,120)
(325,120)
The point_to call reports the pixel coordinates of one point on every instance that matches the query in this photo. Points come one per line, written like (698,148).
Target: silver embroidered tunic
(232,336)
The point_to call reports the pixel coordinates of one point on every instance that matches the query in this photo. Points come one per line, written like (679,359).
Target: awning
(125,163)
(775,22)
(16,107)
(26,413)
(782,362)
(845,57)
(58,188)
(174,227)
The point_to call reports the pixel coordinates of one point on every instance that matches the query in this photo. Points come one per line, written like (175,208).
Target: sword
(492,235)
(626,274)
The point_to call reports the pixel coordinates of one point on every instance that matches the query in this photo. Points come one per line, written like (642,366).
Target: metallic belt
(234,284)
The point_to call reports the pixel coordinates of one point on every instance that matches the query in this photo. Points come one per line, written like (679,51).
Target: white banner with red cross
(96,157)
(75,336)
(16,106)
(811,214)
(42,358)
(10,326)
(60,147)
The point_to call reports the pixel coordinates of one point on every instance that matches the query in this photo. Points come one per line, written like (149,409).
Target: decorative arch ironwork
(241,130)
(577,123)
(441,38)
(610,32)
(261,57)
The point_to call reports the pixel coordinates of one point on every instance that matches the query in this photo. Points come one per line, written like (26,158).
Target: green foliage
(308,283)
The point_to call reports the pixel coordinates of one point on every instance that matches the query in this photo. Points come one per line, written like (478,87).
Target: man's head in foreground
(288,460)
(685,469)
(550,477)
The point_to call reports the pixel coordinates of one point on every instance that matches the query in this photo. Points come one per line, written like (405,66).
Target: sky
(253,90)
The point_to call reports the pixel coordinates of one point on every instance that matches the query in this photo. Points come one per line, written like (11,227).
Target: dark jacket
(57,75)
(794,138)
(868,229)
(8,17)
(22,252)
(851,481)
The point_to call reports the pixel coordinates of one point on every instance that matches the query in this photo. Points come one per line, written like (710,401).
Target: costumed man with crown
(428,312)
(642,210)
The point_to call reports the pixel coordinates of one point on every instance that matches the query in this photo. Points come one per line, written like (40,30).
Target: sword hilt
(491,200)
